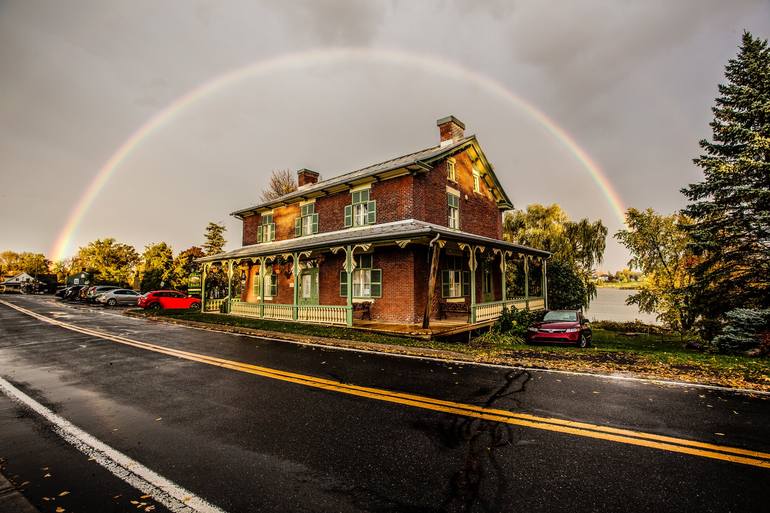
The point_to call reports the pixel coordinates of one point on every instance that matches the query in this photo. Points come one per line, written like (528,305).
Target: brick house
(415,239)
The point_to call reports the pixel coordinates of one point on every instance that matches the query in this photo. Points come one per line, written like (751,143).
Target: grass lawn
(650,355)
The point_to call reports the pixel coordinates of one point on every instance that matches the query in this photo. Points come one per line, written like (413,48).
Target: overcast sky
(631,82)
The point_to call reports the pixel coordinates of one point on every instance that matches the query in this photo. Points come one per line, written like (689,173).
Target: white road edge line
(164,491)
(646,381)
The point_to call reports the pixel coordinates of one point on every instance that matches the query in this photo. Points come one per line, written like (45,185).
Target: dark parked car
(72,293)
(168,299)
(562,327)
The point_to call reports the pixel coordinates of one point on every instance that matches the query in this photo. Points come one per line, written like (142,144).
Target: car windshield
(560,316)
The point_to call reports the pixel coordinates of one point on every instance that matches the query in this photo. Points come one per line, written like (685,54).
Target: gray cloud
(632,82)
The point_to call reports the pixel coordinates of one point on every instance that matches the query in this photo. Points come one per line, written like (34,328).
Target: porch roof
(398,230)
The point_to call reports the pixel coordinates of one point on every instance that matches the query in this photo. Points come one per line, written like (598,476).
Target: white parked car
(118,297)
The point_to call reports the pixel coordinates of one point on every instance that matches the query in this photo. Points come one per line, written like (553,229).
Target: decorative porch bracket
(472,265)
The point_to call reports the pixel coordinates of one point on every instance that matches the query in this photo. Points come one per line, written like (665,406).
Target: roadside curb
(434,354)
(11,499)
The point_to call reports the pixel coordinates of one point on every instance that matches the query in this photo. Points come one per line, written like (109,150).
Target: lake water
(610,305)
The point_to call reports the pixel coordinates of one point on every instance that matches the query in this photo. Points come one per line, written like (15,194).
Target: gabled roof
(409,228)
(419,161)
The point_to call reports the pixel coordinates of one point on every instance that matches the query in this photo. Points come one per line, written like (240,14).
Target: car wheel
(111,302)
(155,306)
(583,342)
(195,306)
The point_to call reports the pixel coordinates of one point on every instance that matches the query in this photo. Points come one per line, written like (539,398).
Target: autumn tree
(215,238)
(281,182)
(110,261)
(185,265)
(157,267)
(579,245)
(660,248)
(25,262)
(730,208)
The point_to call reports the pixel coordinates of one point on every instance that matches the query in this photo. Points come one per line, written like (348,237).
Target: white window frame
(476,181)
(451,170)
(453,220)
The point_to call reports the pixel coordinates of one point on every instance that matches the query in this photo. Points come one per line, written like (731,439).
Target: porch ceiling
(414,230)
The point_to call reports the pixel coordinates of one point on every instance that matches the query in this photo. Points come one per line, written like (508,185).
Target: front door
(308,287)
(486,284)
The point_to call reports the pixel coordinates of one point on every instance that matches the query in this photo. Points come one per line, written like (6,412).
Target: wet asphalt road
(249,443)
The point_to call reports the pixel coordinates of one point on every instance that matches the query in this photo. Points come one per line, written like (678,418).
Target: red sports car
(563,327)
(168,300)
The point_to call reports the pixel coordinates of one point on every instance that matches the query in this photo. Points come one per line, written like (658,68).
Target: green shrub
(513,321)
(746,330)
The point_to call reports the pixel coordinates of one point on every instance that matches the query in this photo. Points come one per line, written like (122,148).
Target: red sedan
(168,300)
(561,326)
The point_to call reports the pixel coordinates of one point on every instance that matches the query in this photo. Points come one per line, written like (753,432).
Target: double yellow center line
(626,436)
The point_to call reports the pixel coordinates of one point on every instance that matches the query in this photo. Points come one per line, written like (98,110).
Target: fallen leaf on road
(47,475)
(59,509)
(159,418)
(719,434)
(118,496)
(149,508)
(65,492)
(145,496)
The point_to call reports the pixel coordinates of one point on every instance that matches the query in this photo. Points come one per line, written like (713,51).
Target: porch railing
(213,305)
(491,311)
(326,314)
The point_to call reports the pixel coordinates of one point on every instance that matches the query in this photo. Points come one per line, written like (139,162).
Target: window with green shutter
(455,282)
(366,281)
(266,229)
(362,211)
(307,222)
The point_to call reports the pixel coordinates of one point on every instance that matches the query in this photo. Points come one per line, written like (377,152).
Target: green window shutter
(259,233)
(356,197)
(315,223)
(272,232)
(445,283)
(257,277)
(274,285)
(376,283)
(343,284)
(372,214)
(348,216)
(466,283)
(298,227)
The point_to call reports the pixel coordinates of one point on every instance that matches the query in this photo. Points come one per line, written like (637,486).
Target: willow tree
(577,245)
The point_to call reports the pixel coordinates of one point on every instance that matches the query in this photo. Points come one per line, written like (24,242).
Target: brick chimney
(306,177)
(451,129)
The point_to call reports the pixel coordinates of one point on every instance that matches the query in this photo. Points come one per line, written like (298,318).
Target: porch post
(526,281)
(504,269)
(472,264)
(262,287)
(434,258)
(203,287)
(545,284)
(229,285)
(295,272)
(349,273)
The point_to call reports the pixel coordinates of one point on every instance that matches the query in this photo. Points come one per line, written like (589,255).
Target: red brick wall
(395,200)
(250,225)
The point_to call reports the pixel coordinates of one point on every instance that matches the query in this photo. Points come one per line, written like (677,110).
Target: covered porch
(415,281)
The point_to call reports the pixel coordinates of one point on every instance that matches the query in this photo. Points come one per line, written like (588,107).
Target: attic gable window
(451,172)
(362,211)
(307,222)
(476,181)
(266,229)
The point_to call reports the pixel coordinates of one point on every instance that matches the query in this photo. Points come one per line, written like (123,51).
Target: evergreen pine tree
(731,207)
(215,239)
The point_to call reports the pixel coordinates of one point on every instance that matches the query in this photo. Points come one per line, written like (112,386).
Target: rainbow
(315,57)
